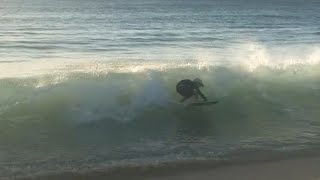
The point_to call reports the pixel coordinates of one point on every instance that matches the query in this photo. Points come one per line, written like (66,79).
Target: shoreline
(294,168)
(290,169)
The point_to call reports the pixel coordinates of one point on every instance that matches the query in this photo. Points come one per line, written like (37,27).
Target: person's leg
(185,98)
(196,95)
(186,92)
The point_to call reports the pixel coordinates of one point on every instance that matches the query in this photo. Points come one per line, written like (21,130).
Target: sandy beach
(298,169)
(292,169)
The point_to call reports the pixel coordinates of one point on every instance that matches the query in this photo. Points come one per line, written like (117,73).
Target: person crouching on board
(188,89)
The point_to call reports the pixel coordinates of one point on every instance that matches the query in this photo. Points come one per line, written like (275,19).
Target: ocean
(87,85)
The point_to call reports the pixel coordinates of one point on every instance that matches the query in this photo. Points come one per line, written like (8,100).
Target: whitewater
(99,114)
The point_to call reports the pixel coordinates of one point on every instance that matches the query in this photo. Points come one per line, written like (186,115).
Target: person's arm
(200,93)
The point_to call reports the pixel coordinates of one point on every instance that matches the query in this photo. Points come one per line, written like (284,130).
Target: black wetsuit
(188,88)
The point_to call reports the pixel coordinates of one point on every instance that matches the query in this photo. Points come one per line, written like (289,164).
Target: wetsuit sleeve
(200,93)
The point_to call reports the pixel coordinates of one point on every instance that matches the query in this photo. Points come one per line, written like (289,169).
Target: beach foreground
(292,169)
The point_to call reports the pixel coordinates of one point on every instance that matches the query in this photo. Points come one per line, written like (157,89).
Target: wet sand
(297,169)
(291,169)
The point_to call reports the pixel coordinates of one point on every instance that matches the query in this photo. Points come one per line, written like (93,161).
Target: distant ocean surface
(88,85)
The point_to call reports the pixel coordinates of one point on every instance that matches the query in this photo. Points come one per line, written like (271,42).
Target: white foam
(250,55)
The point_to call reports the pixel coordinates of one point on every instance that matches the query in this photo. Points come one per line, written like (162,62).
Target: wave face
(80,119)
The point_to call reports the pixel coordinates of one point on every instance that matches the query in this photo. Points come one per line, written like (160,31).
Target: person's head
(198,82)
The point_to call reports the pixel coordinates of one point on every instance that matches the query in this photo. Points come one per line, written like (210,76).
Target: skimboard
(203,103)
